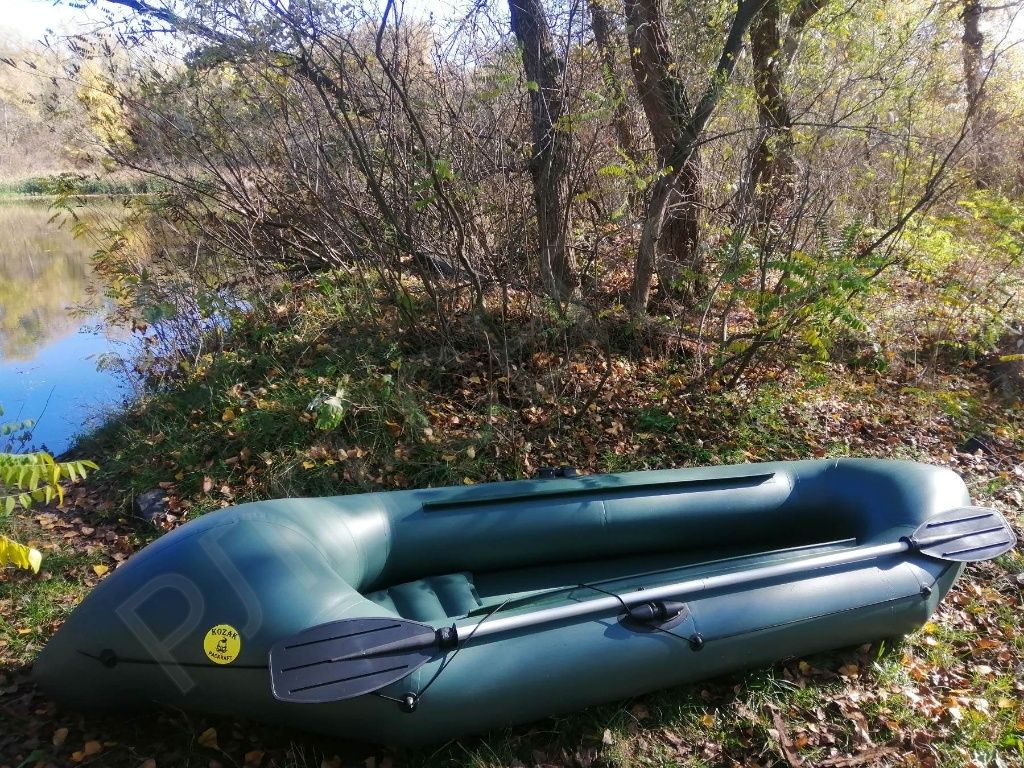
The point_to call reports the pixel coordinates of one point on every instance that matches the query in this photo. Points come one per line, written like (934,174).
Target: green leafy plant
(27,479)
(330,411)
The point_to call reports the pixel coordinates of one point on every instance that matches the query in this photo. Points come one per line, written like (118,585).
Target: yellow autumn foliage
(104,112)
(27,479)
(19,555)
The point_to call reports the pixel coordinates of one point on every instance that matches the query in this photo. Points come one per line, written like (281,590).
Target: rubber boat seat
(434,598)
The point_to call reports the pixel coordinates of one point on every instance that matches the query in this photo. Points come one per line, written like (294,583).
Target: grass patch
(33,607)
(52,185)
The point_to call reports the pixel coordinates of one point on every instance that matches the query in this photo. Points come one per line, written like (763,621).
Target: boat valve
(447,637)
(661,616)
(656,612)
(408,703)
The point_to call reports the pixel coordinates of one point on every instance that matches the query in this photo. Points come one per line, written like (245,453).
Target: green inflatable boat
(416,616)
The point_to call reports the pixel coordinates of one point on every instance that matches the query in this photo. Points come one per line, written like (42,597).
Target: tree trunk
(771,184)
(772,166)
(670,245)
(601,24)
(974,84)
(972,51)
(676,127)
(549,164)
(681,269)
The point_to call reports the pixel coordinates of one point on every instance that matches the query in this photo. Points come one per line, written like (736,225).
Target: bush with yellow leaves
(27,479)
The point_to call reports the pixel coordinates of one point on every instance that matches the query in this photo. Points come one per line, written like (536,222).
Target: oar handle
(444,637)
(487,627)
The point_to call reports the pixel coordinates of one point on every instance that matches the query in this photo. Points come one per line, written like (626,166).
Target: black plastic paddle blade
(349,658)
(965,535)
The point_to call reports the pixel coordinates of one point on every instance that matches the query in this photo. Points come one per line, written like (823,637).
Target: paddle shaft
(489,627)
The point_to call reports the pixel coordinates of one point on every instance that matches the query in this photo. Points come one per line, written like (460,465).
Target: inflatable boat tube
(190,620)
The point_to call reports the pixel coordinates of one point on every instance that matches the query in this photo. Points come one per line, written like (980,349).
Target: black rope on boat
(696,642)
(462,643)
(409,701)
(622,602)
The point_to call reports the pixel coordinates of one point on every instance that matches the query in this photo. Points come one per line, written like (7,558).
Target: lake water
(49,346)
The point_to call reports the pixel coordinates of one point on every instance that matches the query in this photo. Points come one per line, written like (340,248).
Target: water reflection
(43,269)
(47,359)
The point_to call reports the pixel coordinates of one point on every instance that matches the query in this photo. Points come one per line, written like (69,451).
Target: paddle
(352,657)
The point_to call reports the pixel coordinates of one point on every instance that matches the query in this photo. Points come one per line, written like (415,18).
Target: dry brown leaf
(208,738)
(785,743)
(873,756)
(92,748)
(859,721)
(60,736)
(672,738)
(849,670)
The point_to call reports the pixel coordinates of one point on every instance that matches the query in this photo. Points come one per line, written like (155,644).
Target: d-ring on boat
(415,616)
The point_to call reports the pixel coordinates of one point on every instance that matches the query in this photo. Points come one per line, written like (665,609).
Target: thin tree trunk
(771,184)
(669,246)
(772,166)
(974,80)
(973,41)
(676,127)
(604,39)
(549,164)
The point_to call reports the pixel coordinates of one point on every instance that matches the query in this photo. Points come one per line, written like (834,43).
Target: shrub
(27,479)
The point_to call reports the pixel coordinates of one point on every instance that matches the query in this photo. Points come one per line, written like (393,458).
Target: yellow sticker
(222,644)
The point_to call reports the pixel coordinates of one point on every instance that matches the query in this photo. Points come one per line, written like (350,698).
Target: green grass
(241,420)
(33,607)
(48,186)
